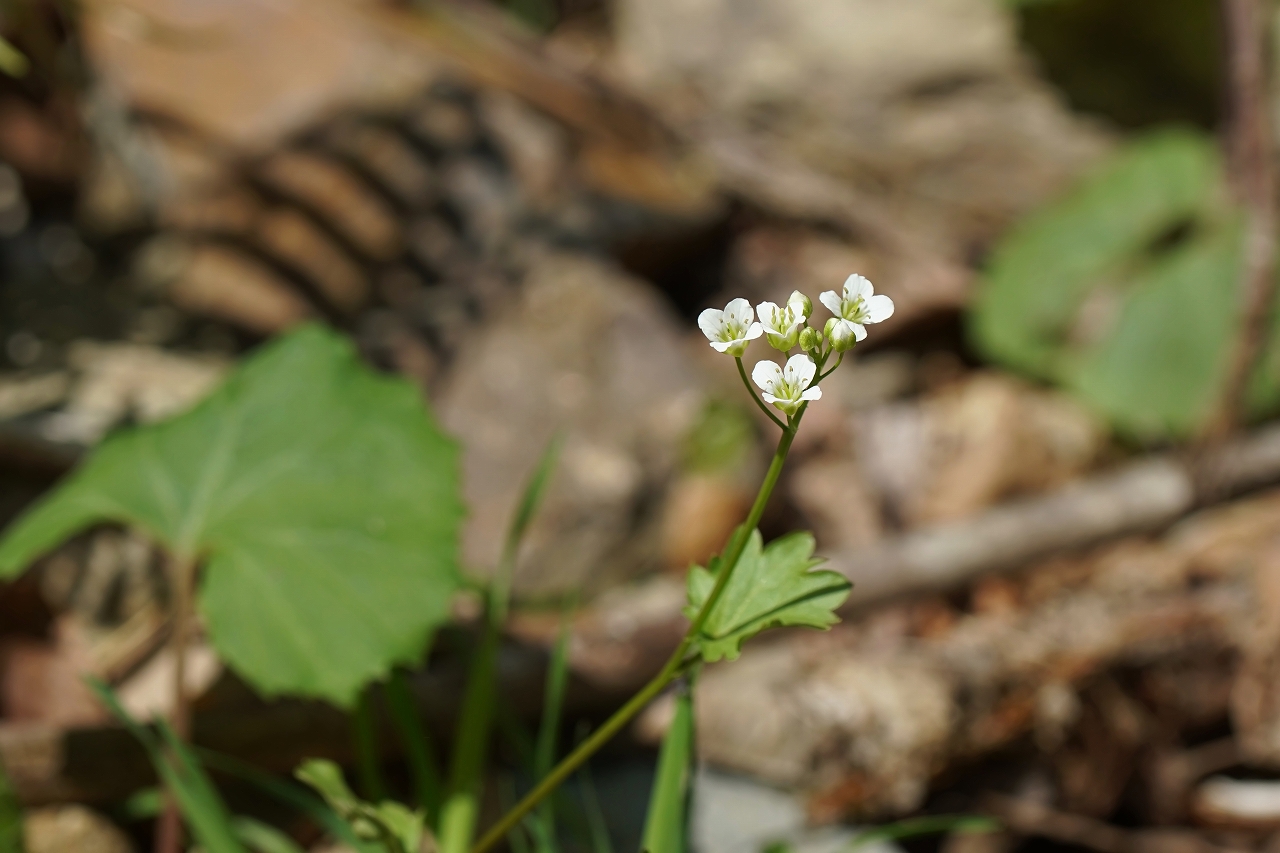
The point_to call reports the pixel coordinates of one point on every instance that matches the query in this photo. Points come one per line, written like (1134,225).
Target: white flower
(856,307)
(782,325)
(787,387)
(731,329)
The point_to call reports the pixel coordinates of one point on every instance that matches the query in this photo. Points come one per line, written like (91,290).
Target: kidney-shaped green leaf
(771,586)
(320,497)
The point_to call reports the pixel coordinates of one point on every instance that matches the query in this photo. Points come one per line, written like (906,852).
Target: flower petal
(830,300)
(711,322)
(879,308)
(767,375)
(800,370)
(754,331)
(859,331)
(739,311)
(721,346)
(856,285)
(814,393)
(768,314)
(769,398)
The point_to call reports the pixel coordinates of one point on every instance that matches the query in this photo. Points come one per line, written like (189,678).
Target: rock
(833,495)
(733,814)
(585,350)
(72,829)
(927,108)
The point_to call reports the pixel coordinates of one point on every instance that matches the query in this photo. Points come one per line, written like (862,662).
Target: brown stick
(1253,181)
(182,576)
(1144,495)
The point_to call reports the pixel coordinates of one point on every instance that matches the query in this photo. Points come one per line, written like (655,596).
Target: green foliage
(13,62)
(1126,290)
(394,826)
(419,752)
(461,808)
(321,497)
(10,817)
(916,827)
(771,586)
(263,837)
(666,825)
(184,778)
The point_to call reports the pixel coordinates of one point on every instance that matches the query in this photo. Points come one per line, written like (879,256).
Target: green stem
(742,371)
(670,671)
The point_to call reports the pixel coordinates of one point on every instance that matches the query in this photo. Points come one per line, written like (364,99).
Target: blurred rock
(701,512)
(832,494)
(927,107)
(586,350)
(44,681)
(971,444)
(1252,804)
(72,829)
(117,382)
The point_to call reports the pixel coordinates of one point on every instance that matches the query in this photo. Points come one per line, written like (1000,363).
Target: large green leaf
(770,586)
(320,497)
(1045,267)
(1127,291)
(1160,369)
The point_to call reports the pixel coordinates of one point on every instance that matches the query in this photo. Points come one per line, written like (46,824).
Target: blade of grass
(364,728)
(596,823)
(666,825)
(263,837)
(544,753)
(10,817)
(461,808)
(199,801)
(419,751)
(927,825)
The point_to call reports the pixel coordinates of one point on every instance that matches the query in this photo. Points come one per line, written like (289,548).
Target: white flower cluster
(790,386)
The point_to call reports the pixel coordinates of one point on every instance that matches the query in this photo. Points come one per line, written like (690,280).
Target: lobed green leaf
(320,497)
(771,586)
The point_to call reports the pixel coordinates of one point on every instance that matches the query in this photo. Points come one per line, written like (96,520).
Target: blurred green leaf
(1045,267)
(263,837)
(397,827)
(1126,291)
(771,586)
(666,825)
(1160,370)
(321,496)
(10,817)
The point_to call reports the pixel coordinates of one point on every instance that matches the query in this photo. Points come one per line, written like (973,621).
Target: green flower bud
(800,304)
(810,340)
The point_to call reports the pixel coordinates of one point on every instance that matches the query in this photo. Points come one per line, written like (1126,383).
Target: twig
(1253,182)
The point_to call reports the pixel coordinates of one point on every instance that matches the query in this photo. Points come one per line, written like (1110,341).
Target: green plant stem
(674,666)
(742,371)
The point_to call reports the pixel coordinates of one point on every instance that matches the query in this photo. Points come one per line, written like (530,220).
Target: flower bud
(830,325)
(842,335)
(800,304)
(810,340)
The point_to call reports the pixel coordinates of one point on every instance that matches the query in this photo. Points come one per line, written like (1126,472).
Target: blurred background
(1047,475)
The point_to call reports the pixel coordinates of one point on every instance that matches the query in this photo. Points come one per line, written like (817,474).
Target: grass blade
(10,817)
(419,752)
(263,837)
(666,825)
(201,805)
(460,811)
(364,727)
(544,753)
(927,825)
(596,823)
